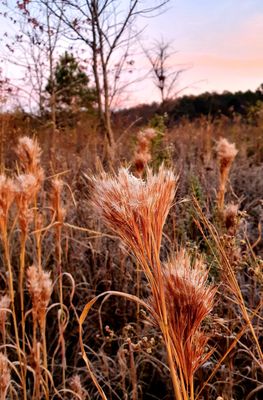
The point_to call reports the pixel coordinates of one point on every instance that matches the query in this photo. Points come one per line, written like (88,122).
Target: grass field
(136,279)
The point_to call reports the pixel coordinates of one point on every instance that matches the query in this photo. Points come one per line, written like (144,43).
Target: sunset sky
(220,43)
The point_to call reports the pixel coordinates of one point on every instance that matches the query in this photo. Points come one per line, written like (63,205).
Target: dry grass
(172,310)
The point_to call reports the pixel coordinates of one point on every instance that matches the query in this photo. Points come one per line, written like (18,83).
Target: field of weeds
(135,279)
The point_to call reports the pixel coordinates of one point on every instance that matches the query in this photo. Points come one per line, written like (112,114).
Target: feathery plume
(226,152)
(142,155)
(5,376)
(188,301)
(57,186)
(27,187)
(7,195)
(40,289)
(76,386)
(135,209)
(29,153)
(230,218)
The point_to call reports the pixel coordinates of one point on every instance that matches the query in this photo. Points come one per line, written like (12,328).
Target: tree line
(248,105)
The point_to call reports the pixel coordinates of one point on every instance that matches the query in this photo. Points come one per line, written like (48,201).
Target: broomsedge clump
(27,187)
(189,300)
(135,209)
(142,155)
(29,153)
(226,153)
(5,376)
(40,290)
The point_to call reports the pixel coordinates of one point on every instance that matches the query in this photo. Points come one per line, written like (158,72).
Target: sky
(220,43)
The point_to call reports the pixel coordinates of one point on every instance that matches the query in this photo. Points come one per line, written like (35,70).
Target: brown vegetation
(167,303)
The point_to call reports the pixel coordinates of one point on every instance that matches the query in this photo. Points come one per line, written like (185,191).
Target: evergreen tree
(71,86)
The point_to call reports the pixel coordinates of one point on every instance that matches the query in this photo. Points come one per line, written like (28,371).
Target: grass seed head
(226,152)
(7,196)
(40,290)
(29,154)
(188,301)
(76,386)
(142,155)
(133,208)
(5,375)
(4,307)
(28,151)
(57,186)
(147,134)
(27,187)
(230,217)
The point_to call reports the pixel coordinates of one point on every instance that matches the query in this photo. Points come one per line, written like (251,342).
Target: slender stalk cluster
(59,215)
(226,153)
(5,376)
(142,155)
(136,211)
(7,196)
(40,290)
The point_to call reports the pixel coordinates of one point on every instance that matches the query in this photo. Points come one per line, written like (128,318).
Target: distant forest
(245,104)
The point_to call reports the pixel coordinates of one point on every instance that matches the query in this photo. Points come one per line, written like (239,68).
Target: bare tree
(32,49)
(164,73)
(105,27)
(26,46)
